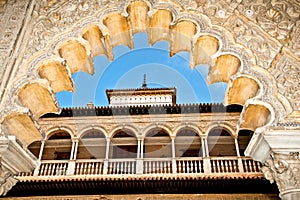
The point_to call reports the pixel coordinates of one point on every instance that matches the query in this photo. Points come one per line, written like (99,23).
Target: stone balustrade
(188,165)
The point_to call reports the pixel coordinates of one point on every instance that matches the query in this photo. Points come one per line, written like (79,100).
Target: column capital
(13,160)
(284,169)
(6,180)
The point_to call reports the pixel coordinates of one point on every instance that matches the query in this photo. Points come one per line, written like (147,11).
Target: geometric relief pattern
(287,75)
(264,47)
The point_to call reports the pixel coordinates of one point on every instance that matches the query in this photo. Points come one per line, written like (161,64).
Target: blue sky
(127,71)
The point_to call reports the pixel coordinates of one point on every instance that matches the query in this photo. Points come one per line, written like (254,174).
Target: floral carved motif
(276,17)
(284,170)
(294,43)
(250,35)
(6,180)
(287,75)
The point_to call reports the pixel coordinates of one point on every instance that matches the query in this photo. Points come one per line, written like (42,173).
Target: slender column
(75,150)
(72,149)
(41,150)
(105,165)
(173,147)
(206,159)
(107,148)
(237,147)
(174,167)
(71,163)
(139,149)
(37,169)
(203,147)
(240,161)
(142,148)
(206,146)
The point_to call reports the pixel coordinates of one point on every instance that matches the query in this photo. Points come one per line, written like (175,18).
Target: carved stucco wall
(264,35)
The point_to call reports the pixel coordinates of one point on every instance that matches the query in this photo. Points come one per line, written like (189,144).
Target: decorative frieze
(12,16)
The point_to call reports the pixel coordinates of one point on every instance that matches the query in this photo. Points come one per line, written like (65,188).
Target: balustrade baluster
(52,167)
(145,166)
(41,171)
(230,165)
(65,169)
(257,166)
(47,169)
(192,167)
(225,164)
(97,168)
(184,166)
(179,166)
(187,166)
(121,170)
(84,168)
(57,167)
(127,168)
(250,166)
(100,168)
(116,168)
(81,169)
(56,171)
(92,166)
(222,166)
(213,167)
(109,168)
(247,164)
(120,167)
(76,168)
(87,168)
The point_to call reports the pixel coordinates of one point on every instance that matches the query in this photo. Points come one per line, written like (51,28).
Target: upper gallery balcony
(170,149)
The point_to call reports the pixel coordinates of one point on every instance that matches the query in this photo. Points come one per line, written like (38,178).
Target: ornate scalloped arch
(114,25)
